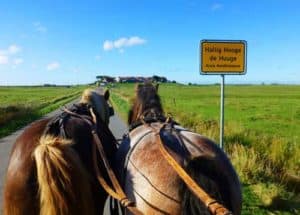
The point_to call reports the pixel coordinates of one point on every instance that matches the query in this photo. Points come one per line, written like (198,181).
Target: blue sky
(70,42)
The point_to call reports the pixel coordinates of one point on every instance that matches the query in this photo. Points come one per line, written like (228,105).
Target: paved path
(117,126)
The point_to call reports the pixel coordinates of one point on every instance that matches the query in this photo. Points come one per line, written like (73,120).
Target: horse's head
(146,102)
(98,100)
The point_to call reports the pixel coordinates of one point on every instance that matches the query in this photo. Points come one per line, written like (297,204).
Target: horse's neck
(108,139)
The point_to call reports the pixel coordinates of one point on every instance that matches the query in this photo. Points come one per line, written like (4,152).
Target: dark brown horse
(51,168)
(150,181)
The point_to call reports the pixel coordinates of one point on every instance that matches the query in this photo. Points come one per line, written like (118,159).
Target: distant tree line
(131,79)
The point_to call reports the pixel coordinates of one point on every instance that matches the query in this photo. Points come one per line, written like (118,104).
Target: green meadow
(262,138)
(21,105)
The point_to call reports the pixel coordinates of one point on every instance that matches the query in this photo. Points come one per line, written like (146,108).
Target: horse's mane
(146,100)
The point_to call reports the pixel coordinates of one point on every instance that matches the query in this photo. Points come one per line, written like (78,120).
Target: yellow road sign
(223,57)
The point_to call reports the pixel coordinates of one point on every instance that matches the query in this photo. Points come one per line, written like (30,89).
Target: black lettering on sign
(213,49)
(230,59)
(227,65)
(232,50)
(213,58)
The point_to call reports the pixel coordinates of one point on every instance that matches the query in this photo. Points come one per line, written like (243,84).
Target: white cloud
(122,43)
(11,50)
(18,61)
(135,41)
(3,59)
(53,66)
(39,27)
(108,45)
(216,6)
(5,54)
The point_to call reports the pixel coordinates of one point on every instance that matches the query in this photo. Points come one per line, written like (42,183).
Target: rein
(212,204)
(116,191)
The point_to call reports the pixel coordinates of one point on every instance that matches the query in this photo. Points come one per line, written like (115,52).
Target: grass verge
(22,105)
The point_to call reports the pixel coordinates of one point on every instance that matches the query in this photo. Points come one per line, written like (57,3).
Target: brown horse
(150,181)
(51,168)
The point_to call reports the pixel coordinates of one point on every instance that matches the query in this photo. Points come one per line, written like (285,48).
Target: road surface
(117,126)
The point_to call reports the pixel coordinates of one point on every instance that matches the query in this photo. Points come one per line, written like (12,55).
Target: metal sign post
(223,57)
(222,112)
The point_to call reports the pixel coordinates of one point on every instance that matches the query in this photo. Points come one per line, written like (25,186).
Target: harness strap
(116,192)
(213,205)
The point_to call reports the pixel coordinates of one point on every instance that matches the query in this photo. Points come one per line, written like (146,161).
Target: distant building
(131,79)
(105,79)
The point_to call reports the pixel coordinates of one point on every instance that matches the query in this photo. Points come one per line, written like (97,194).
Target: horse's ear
(156,87)
(106,95)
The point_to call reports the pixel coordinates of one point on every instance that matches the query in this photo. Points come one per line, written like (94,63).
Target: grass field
(21,105)
(262,125)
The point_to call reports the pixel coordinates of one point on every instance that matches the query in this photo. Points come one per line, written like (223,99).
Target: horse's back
(20,190)
(148,178)
(146,175)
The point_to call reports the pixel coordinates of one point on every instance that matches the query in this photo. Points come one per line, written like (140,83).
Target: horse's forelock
(146,98)
(145,93)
